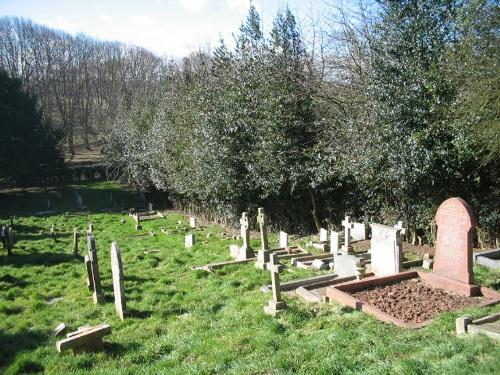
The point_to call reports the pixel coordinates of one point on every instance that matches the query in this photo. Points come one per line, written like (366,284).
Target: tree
(30,147)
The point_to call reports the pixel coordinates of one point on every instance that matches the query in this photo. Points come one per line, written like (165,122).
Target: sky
(172,28)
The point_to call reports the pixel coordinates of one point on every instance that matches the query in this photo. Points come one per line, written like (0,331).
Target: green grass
(185,321)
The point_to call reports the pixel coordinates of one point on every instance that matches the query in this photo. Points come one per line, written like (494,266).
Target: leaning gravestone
(94,265)
(117,272)
(245,251)
(455,223)
(386,250)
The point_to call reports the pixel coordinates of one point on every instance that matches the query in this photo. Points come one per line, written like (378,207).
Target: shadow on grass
(140,314)
(13,345)
(38,259)
(11,281)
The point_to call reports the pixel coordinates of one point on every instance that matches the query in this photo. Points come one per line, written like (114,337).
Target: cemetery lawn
(184,321)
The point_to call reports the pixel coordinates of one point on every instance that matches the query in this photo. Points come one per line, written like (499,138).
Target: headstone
(358,232)
(245,250)
(346,248)
(150,206)
(8,239)
(276,305)
(117,272)
(88,339)
(192,222)
(283,240)
(323,235)
(53,232)
(455,223)
(386,250)
(59,330)
(334,242)
(319,264)
(461,324)
(96,276)
(189,241)
(234,250)
(345,265)
(262,220)
(262,259)
(91,228)
(79,201)
(138,225)
(427,262)
(88,267)
(75,241)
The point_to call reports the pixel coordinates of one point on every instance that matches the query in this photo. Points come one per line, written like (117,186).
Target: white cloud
(143,20)
(238,5)
(194,5)
(61,23)
(107,19)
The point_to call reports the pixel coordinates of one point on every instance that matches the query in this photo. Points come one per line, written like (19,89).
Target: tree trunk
(314,211)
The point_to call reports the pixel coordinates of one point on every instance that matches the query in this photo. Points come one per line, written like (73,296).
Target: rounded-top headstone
(455,221)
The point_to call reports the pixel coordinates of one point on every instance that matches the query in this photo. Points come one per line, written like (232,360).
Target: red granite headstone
(453,259)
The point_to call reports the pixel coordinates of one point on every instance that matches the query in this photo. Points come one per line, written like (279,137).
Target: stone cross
(347,233)
(283,240)
(334,242)
(75,241)
(276,305)
(192,222)
(262,220)
(118,288)
(189,241)
(94,265)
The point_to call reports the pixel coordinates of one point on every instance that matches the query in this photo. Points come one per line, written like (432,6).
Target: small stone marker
(88,339)
(323,235)
(461,324)
(7,239)
(262,220)
(427,261)
(53,232)
(138,225)
(118,288)
(276,305)
(59,330)
(453,259)
(334,242)
(283,240)
(262,259)
(192,222)
(189,241)
(150,206)
(94,265)
(319,264)
(346,248)
(75,241)
(386,250)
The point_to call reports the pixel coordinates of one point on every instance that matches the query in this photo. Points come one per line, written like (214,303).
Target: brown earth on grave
(413,301)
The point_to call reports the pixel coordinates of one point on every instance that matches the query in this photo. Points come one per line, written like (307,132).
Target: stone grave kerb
(455,223)
(262,221)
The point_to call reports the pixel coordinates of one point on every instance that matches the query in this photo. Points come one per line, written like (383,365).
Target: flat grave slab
(402,291)
(488,325)
(490,259)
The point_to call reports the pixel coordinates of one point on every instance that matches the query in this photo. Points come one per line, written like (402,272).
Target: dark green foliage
(28,145)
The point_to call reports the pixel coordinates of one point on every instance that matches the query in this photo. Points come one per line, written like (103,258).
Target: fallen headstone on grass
(85,339)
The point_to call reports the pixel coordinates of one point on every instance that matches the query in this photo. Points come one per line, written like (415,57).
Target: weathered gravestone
(283,240)
(192,222)
(358,232)
(453,259)
(94,267)
(386,250)
(118,288)
(189,241)
(345,265)
(85,338)
(276,305)
(75,241)
(262,221)
(245,251)
(334,242)
(7,238)
(346,248)
(323,235)
(427,261)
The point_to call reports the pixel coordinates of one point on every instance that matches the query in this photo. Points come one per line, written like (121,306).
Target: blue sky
(167,27)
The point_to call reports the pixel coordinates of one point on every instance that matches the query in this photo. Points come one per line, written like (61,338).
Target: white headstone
(358,232)
(117,272)
(323,235)
(283,239)
(347,234)
(345,265)
(319,264)
(334,242)
(189,241)
(192,222)
(386,250)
